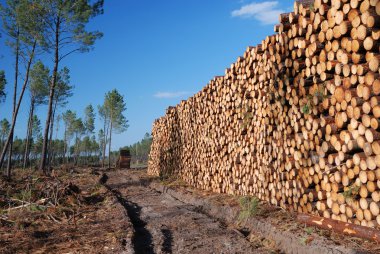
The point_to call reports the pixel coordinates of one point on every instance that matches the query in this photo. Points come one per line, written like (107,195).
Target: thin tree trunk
(67,151)
(6,146)
(56,137)
(51,97)
(105,135)
(9,165)
(109,145)
(76,159)
(28,134)
(65,144)
(9,162)
(2,142)
(50,147)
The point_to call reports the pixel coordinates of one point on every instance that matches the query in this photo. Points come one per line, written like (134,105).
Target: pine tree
(67,20)
(3,82)
(38,88)
(68,120)
(89,120)
(115,107)
(22,21)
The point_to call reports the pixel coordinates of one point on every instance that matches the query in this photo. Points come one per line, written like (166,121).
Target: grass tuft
(249,206)
(309,230)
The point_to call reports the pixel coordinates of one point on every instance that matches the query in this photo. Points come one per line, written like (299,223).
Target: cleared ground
(97,211)
(165,225)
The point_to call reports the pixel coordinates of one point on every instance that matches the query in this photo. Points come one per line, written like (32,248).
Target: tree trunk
(51,98)
(65,144)
(50,147)
(76,150)
(104,142)
(9,165)
(109,145)
(67,152)
(7,143)
(2,141)
(340,227)
(28,134)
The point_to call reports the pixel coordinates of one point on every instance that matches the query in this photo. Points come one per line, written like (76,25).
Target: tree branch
(69,53)
(66,38)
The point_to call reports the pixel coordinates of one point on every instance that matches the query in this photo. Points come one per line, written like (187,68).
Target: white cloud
(170,95)
(265,12)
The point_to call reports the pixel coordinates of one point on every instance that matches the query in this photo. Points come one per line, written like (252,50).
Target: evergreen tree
(89,120)
(22,21)
(78,130)
(104,116)
(115,107)
(3,82)
(68,120)
(4,131)
(67,34)
(63,91)
(38,88)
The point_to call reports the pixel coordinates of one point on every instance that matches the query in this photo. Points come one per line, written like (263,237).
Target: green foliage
(25,195)
(36,208)
(103,112)
(115,106)
(306,108)
(4,128)
(78,128)
(3,82)
(36,128)
(320,94)
(24,20)
(74,127)
(309,230)
(249,206)
(101,138)
(68,120)
(63,88)
(89,119)
(69,18)
(89,145)
(351,191)
(39,83)
(303,240)
(140,150)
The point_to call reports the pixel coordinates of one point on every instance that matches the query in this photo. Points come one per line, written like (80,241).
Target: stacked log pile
(294,121)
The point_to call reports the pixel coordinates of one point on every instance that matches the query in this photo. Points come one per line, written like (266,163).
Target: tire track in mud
(142,238)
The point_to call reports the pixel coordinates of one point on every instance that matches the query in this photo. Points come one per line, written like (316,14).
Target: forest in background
(37,30)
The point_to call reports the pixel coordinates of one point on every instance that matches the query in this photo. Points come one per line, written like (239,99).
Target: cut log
(340,227)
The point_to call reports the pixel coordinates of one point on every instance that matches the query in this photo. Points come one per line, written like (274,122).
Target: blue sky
(156,53)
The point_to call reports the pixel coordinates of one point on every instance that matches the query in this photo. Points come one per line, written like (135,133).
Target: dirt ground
(96,211)
(166,225)
(78,215)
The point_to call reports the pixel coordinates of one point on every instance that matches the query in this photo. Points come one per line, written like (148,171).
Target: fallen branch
(27,204)
(340,227)
(51,217)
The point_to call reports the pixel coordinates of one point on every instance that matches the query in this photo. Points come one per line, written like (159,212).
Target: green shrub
(249,207)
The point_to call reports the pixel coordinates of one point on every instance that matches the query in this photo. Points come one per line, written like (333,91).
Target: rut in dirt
(142,239)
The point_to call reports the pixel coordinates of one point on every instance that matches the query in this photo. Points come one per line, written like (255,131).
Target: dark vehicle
(124,160)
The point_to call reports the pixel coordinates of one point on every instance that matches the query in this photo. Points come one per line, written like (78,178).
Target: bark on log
(340,227)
